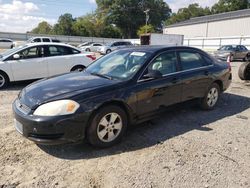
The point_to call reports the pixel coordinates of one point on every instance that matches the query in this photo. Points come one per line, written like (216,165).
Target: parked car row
(104,48)
(125,87)
(40,60)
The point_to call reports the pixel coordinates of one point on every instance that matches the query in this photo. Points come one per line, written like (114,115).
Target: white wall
(216,42)
(197,30)
(232,27)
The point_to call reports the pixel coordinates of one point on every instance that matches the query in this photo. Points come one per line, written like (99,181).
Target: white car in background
(106,49)
(91,47)
(42,39)
(7,43)
(84,44)
(40,60)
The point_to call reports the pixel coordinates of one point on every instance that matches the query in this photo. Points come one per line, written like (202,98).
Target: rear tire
(244,71)
(78,68)
(87,50)
(209,101)
(107,127)
(4,80)
(108,51)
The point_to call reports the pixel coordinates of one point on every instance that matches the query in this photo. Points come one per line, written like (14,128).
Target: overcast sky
(23,15)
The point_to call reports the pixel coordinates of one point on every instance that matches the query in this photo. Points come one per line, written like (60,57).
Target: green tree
(64,25)
(229,5)
(193,10)
(145,29)
(129,16)
(42,28)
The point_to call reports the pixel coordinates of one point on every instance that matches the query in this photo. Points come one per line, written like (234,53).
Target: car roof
(156,48)
(48,43)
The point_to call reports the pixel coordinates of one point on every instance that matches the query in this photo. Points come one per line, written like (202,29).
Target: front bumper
(50,130)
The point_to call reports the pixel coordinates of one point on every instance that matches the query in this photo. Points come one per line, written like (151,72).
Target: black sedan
(125,87)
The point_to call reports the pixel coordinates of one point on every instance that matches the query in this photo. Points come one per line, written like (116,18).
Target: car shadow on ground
(176,121)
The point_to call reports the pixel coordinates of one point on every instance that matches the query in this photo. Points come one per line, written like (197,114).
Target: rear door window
(59,50)
(191,60)
(46,40)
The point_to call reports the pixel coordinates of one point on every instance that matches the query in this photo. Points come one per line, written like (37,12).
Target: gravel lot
(185,147)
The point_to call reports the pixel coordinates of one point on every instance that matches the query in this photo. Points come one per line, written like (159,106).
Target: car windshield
(227,48)
(121,65)
(11,51)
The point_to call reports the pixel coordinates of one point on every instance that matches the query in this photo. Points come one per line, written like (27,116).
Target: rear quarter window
(191,60)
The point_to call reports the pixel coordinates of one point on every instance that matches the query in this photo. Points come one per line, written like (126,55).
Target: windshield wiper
(102,75)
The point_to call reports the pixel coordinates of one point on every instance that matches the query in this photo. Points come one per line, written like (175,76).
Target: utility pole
(147,18)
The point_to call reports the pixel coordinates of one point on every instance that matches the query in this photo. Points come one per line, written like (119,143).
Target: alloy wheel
(109,127)
(212,97)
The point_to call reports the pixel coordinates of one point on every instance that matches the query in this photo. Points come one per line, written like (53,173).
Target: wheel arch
(1,71)
(220,83)
(77,65)
(120,104)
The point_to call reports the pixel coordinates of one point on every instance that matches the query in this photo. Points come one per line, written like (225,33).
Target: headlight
(57,108)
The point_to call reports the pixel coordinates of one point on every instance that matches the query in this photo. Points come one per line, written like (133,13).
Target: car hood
(61,87)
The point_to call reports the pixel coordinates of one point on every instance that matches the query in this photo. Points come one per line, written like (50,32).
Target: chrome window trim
(139,80)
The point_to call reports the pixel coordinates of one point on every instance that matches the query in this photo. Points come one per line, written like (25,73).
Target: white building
(236,23)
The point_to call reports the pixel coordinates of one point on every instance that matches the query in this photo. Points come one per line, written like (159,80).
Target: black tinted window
(165,63)
(190,60)
(55,40)
(243,48)
(46,40)
(74,51)
(59,50)
(5,40)
(37,40)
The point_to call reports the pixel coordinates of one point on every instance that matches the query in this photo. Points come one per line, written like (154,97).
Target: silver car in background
(232,51)
(7,43)
(114,46)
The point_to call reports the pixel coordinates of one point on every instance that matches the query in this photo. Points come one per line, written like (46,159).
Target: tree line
(127,18)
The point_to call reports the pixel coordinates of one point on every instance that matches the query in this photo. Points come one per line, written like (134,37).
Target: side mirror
(16,56)
(154,74)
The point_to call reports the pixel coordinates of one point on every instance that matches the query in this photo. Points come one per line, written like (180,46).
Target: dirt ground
(185,147)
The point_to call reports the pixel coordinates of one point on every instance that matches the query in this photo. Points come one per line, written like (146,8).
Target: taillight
(229,62)
(92,57)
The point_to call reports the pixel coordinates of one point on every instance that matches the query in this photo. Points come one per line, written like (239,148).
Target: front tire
(209,101)
(107,127)
(4,80)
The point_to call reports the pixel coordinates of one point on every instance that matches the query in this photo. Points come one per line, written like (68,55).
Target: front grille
(22,107)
